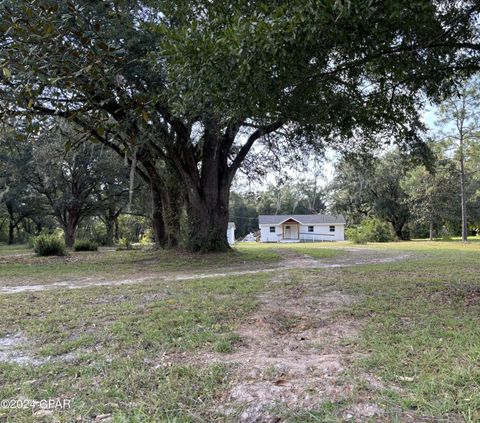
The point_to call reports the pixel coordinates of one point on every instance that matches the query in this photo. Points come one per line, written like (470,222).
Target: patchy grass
(123,264)
(6,249)
(126,351)
(421,332)
(108,264)
(318,250)
(137,352)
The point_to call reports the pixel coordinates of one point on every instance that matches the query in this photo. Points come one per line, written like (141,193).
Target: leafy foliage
(373,188)
(370,230)
(85,245)
(49,245)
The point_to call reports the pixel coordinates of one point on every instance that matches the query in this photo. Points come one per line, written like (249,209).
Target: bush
(124,244)
(85,245)
(356,235)
(49,245)
(371,230)
(445,233)
(146,238)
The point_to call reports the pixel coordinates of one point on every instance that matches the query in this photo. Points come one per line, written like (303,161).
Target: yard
(267,333)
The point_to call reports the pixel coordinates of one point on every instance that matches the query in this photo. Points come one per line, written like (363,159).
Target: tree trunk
(208,219)
(70,232)
(110,227)
(171,217)
(11,229)
(117,229)
(11,224)
(398,229)
(207,187)
(165,211)
(463,195)
(157,216)
(431,231)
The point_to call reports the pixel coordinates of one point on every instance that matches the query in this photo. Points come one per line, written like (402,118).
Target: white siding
(267,236)
(320,233)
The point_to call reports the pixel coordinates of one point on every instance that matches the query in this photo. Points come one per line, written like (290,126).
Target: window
(332,228)
(287,227)
(272,229)
(310,229)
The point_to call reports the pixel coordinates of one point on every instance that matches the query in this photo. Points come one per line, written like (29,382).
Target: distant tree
(20,202)
(459,115)
(287,196)
(373,189)
(389,197)
(473,185)
(350,192)
(113,192)
(243,212)
(65,179)
(432,195)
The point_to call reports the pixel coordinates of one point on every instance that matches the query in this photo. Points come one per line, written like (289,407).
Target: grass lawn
(15,269)
(6,249)
(143,352)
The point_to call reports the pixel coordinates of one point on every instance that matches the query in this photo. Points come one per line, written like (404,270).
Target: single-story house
(301,227)
(231,232)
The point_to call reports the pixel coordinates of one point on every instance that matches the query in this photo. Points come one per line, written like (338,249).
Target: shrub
(124,244)
(146,238)
(85,245)
(356,235)
(371,230)
(445,233)
(49,245)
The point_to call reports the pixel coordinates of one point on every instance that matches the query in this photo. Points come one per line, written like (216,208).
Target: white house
(231,232)
(301,227)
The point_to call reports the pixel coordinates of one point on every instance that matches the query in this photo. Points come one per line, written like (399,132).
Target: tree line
(189,92)
(433,196)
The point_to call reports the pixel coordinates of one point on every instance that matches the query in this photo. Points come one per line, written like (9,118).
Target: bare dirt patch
(14,349)
(294,353)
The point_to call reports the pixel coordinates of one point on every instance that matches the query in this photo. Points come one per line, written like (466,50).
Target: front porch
(290,231)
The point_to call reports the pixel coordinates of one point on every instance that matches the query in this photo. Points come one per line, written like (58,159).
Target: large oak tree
(184,89)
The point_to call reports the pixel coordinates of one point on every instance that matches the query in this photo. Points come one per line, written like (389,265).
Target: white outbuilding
(231,232)
(301,228)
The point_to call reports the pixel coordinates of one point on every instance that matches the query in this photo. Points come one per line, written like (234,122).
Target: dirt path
(291,260)
(294,354)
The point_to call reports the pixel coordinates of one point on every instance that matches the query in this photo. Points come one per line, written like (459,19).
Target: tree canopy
(184,89)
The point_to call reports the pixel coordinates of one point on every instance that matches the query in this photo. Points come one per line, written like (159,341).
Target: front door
(294,232)
(290,232)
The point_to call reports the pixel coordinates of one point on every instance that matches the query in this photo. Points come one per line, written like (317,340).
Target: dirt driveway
(290,260)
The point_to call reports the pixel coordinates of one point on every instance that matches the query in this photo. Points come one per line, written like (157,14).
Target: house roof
(231,225)
(304,219)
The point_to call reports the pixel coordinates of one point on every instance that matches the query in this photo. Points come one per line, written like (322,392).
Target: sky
(241,183)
